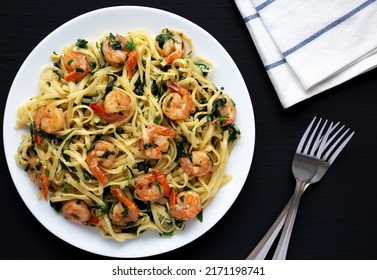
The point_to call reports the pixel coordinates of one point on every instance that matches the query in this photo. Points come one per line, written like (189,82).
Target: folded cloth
(309,46)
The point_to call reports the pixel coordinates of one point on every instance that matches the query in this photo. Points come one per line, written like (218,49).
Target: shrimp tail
(44,186)
(97,172)
(174,55)
(162,180)
(37,137)
(172,199)
(131,63)
(132,209)
(110,118)
(73,76)
(173,86)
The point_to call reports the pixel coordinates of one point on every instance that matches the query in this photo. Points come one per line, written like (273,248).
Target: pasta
(128,133)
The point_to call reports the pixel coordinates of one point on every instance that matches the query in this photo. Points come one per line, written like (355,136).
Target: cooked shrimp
(170,45)
(118,50)
(38,175)
(77,65)
(152,186)
(116,107)
(103,154)
(155,142)
(223,111)
(124,211)
(185,205)
(76,211)
(178,105)
(49,119)
(199,166)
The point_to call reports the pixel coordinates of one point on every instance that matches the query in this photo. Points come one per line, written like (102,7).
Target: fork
(310,163)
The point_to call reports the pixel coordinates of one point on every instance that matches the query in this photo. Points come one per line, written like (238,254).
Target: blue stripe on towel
(273,65)
(264,5)
(251,17)
(258,8)
(320,32)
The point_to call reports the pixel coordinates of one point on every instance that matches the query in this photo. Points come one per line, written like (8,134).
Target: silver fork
(310,163)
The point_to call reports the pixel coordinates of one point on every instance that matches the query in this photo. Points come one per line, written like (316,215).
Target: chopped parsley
(164,36)
(82,43)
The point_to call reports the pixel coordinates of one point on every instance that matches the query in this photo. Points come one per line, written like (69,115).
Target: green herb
(130,45)
(104,208)
(203,67)
(111,37)
(92,65)
(157,183)
(110,85)
(139,87)
(65,187)
(130,170)
(149,145)
(157,120)
(215,113)
(107,154)
(164,36)
(158,91)
(169,102)
(182,147)
(57,206)
(114,44)
(38,166)
(125,210)
(200,216)
(234,132)
(48,135)
(87,175)
(82,43)
(96,139)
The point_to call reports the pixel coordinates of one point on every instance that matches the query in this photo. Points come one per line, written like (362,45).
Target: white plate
(91,26)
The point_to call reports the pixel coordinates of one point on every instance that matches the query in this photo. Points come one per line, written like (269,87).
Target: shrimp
(116,107)
(49,119)
(76,211)
(156,141)
(77,65)
(118,50)
(124,211)
(38,175)
(103,154)
(170,45)
(185,205)
(223,111)
(178,105)
(199,166)
(152,186)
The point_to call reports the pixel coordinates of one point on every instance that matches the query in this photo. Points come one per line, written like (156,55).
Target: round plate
(91,26)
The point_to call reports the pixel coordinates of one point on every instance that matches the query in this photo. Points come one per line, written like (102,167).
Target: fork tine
(325,142)
(308,144)
(340,148)
(318,140)
(335,143)
(303,138)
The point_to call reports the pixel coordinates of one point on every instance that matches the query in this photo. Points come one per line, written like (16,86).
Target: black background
(337,216)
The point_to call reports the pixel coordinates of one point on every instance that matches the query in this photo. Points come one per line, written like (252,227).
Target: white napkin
(309,46)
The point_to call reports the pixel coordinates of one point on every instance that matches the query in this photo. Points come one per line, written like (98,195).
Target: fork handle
(282,247)
(261,250)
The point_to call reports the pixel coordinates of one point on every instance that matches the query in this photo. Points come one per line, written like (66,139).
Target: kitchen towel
(309,46)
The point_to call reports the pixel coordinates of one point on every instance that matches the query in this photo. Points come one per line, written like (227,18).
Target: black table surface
(337,216)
